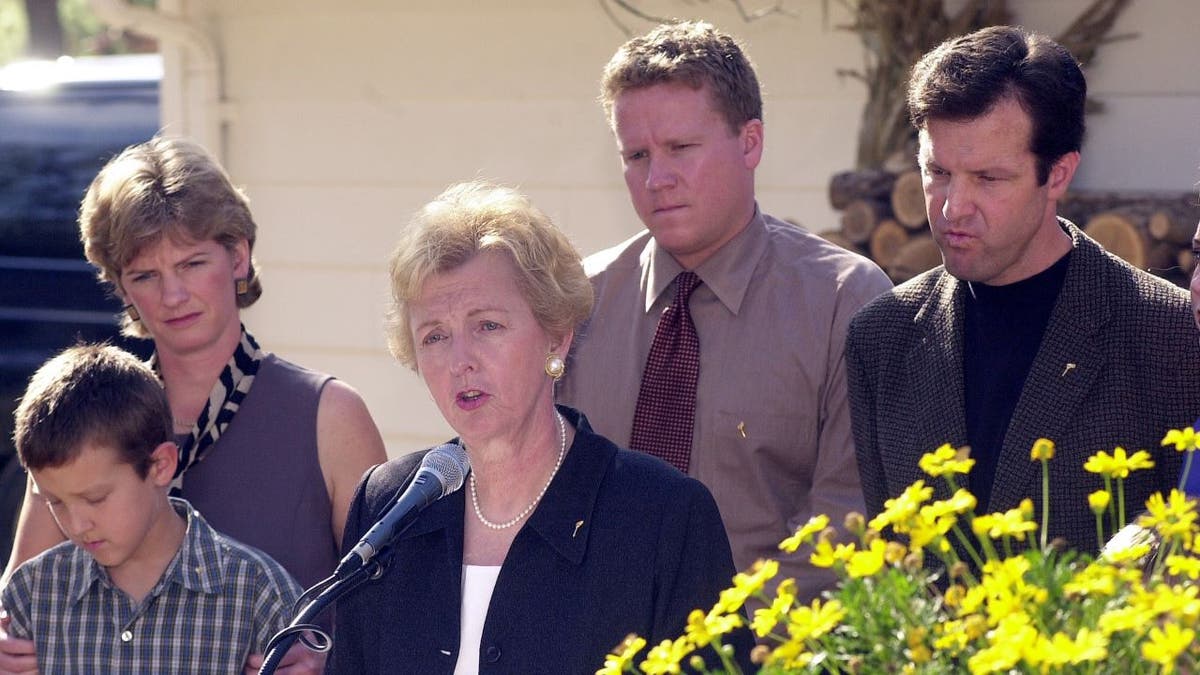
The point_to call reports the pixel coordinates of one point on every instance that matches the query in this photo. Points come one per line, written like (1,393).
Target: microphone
(442,472)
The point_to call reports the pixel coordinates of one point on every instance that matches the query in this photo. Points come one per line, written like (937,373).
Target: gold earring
(555,367)
(241,286)
(132,313)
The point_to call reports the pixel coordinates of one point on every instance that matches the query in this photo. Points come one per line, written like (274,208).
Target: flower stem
(1045,501)
(1120,505)
(1112,508)
(1187,469)
(962,537)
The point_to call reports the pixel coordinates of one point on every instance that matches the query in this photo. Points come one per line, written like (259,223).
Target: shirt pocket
(774,452)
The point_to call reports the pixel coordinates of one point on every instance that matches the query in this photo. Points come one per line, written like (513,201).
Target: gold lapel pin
(742,429)
(1068,368)
(578,524)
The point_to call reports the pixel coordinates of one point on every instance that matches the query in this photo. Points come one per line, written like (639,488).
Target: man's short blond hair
(693,53)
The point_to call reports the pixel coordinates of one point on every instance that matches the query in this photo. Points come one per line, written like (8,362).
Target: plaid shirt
(217,602)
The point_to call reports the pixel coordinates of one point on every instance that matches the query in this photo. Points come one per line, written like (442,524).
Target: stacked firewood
(883,217)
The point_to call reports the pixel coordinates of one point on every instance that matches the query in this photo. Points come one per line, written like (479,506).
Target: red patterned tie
(666,404)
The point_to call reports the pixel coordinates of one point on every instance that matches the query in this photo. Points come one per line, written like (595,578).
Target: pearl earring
(555,367)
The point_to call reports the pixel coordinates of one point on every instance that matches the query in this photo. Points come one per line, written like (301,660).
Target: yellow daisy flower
(622,655)
(1119,464)
(867,562)
(807,531)
(1061,650)
(1043,448)
(703,628)
(813,621)
(1184,439)
(826,556)
(665,657)
(946,460)
(1166,644)
(1011,523)
(1172,517)
(899,511)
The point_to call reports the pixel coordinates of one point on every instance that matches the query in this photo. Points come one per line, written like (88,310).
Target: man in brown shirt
(771,432)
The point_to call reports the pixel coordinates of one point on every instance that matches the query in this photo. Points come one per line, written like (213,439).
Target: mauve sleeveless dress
(261,482)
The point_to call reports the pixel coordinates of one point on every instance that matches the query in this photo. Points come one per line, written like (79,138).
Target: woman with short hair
(270,452)
(561,543)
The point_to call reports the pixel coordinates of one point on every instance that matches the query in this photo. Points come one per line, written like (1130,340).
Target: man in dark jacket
(1030,328)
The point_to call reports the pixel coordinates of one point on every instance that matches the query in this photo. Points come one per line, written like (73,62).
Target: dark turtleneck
(1002,331)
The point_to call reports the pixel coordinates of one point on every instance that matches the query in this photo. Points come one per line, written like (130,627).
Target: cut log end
(1186,260)
(846,186)
(917,255)
(886,241)
(1164,226)
(908,200)
(1119,235)
(860,217)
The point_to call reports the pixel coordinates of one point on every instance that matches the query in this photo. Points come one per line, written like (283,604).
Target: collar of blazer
(1068,361)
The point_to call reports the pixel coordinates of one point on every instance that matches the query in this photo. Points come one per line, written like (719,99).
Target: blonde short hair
(165,186)
(692,53)
(468,219)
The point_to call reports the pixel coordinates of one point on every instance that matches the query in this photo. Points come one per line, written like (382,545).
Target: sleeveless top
(261,483)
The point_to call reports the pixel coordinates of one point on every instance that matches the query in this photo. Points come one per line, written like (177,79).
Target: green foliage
(1128,611)
(14,29)
(83,33)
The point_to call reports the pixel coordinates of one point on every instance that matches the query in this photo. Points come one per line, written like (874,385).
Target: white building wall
(344,117)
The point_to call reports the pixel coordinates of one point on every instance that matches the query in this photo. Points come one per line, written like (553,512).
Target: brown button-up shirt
(772,429)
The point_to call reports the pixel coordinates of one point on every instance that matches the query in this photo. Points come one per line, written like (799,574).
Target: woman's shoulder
(383,480)
(275,366)
(630,470)
(642,467)
(653,481)
(663,505)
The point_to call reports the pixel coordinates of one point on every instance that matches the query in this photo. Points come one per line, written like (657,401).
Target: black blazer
(1119,364)
(650,549)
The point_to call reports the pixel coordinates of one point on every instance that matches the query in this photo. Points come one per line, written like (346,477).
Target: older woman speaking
(561,543)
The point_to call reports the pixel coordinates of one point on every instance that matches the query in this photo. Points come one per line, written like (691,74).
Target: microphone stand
(341,582)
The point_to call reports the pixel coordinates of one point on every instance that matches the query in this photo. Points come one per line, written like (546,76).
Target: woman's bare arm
(348,443)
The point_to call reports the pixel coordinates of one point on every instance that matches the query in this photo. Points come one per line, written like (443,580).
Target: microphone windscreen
(449,462)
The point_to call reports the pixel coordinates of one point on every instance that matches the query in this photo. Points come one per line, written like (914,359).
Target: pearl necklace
(562,451)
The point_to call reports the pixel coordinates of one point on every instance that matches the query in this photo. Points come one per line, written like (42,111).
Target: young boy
(144,585)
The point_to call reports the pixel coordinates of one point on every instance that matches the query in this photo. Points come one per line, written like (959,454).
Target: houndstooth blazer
(1119,365)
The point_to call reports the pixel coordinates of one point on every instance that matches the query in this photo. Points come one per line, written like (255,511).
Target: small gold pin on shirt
(578,524)
(1066,369)
(742,429)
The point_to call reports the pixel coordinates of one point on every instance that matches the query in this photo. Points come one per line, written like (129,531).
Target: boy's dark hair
(965,77)
(92,394)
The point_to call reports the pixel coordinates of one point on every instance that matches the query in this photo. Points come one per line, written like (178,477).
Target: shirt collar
(197,566)
(727,273)
(564,517)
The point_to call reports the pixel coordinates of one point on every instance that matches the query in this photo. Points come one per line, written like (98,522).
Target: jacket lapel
(1067,363)
(935,371)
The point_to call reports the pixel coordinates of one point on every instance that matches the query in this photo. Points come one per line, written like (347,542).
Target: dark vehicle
(59,123)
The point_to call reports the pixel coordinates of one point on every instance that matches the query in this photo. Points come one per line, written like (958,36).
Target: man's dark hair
(965,77)
(92,394)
